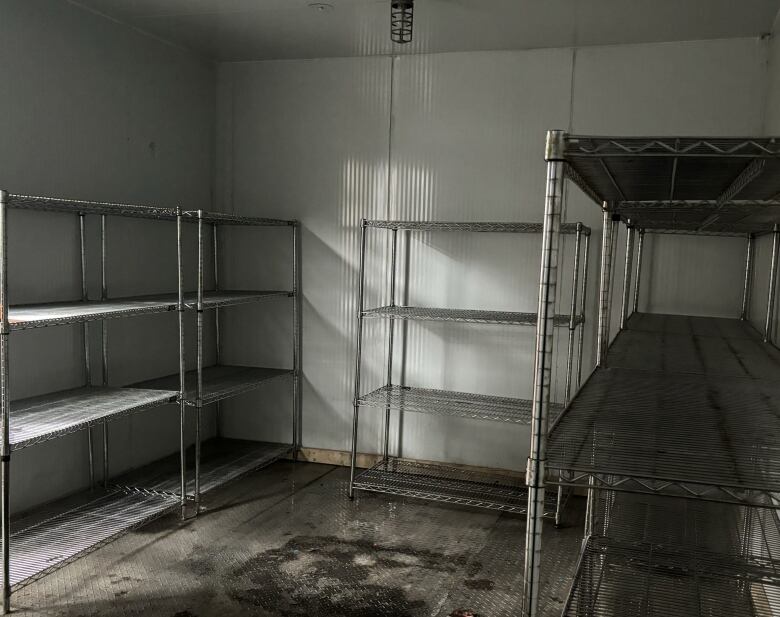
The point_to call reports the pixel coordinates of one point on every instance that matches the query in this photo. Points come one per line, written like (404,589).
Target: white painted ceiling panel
(231,30)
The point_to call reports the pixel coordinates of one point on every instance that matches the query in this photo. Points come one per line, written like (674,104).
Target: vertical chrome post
(748,277)
(575,283)
(602,338)
(217,341)
(390,336)
(5,404)
(182,367)
(199,387)
(639,252)
(624,314)
(770,303)
(104,334)
(85,333)
(297,349)
(545,326)
(583,307)
(358,354)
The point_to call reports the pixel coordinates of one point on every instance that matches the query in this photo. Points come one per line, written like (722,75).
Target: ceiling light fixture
(401,20)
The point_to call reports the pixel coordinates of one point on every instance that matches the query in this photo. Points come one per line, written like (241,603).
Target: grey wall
(456,136)
(93,110)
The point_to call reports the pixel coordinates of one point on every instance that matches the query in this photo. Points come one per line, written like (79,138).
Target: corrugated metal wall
(456,136)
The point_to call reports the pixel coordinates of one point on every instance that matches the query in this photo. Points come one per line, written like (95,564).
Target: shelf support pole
(182,367)
(5,404)
(575,283)
(217,340)
(104,335)
(199,391)
(85,332)
(624,314)
(297,349)
(749,254)
(583,306)
(545,327)
(605,285)
(390,337)
(639,252)
(770,302)
(358,354)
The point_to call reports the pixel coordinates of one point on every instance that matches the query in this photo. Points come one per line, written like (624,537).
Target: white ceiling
(270,29)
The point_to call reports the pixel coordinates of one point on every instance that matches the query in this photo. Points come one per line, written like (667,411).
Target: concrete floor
(286,542)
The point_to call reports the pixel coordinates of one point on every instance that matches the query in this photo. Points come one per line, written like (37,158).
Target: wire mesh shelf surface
(448,403)
(478,226)
(463,315)
(216,299)
(41,418)
(448,484)
(219,382)
(75,206)
(219,218)
(57,534)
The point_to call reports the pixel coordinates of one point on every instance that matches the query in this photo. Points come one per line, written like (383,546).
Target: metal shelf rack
(437,482)
(678,406)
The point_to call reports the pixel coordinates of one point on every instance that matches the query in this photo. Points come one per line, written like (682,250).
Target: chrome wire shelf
(62,532)
(219,382)
(417,313)
(219,218)
(448,403)
(674,325)
(75,206)
(217,299)
(488,227)
(40,418)
(223,460)
(448,484)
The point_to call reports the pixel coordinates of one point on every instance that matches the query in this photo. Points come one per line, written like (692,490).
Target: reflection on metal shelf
(465,315)
(486,227)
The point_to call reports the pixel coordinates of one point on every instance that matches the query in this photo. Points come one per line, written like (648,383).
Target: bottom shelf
(615,579)
(449,484)
(222,461)
(58,534)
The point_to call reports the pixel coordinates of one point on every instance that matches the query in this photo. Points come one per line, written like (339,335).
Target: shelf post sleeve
(5,407)
(749,253)
(358,354)
(575,283)
(770,302)
(583,306)
(602,339)
(390,336)
(199,386)
(545,327)
(639,253)
(624,314)
(297,333)
(182,368)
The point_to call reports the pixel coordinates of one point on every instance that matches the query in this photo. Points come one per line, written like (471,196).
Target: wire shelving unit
(49,537)
(675,433)
(433,481)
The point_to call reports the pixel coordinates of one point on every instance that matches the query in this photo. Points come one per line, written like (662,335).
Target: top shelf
(219,218)
(680,183)
(75,206)
(488,227)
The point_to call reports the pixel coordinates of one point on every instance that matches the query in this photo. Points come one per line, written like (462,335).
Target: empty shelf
(222,461)
(219,382)
(219,218)
(615,579)
(443,402)
(465,315)
(27,316)
(687,325)
(41,418)
(216,299)
(449,484)
(74,206)
(60,533)
(495,227)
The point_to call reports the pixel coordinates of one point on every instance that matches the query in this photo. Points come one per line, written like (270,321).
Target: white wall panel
(309,139)
(93,110)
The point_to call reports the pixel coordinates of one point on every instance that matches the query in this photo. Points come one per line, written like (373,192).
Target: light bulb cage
(401,20)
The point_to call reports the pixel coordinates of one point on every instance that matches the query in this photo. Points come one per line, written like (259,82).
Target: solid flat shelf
(23,317)
(615,579)
(220,218)
(41,418)
(222,460)
(75,206)
(219,382)
(417,313)
(448,403)
(478,226)
(56,535)
(448,484)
